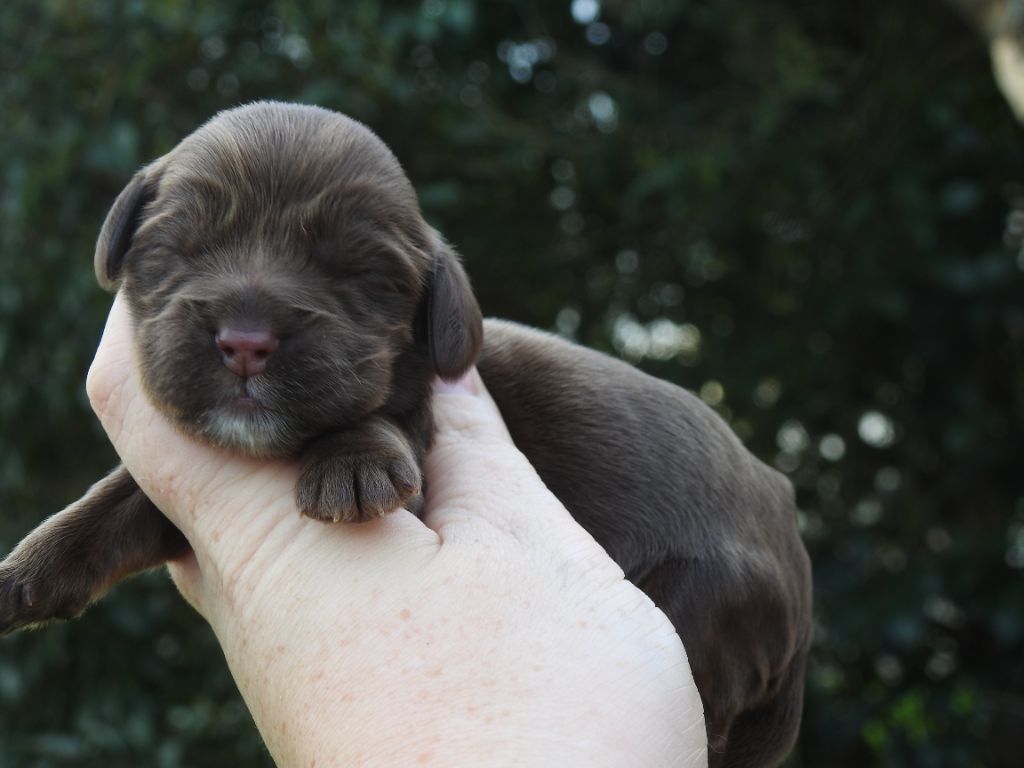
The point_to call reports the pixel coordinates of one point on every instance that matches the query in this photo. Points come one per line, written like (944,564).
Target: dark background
(811,213)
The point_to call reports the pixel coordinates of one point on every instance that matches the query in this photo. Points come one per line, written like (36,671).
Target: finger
(474,472)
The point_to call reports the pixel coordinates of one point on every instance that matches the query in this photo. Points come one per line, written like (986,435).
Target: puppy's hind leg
(76,555)
(747,652)
(765,734)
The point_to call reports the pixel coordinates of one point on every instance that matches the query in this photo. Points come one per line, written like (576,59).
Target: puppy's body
(694,519)
(289,298)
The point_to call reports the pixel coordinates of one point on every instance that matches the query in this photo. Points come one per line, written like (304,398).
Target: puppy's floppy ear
(116,234)
(454,325)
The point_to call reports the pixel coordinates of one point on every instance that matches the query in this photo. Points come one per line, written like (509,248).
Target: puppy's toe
(405,477)
(383,488)
(325,491)
(376,495)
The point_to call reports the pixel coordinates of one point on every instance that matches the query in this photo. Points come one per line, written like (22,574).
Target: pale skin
(493,632)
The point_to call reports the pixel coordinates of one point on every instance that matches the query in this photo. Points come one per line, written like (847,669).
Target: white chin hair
(254,434)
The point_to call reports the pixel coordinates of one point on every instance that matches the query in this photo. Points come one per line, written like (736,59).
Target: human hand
(494,631)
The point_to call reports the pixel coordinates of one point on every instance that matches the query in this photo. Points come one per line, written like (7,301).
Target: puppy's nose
(245,353)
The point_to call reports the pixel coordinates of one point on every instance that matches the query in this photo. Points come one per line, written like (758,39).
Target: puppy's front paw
(34,595)
(358,476)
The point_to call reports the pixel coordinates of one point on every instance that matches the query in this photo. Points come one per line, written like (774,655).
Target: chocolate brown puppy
(289,299)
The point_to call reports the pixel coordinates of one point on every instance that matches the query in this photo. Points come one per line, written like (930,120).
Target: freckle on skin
(426,757)
(405,614)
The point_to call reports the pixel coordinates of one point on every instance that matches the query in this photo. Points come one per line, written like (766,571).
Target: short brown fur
(299,221)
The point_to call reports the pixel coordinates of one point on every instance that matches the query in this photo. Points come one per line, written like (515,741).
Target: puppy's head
(282,279)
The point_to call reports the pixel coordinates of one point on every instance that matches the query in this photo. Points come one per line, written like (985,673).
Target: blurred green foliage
(810,213)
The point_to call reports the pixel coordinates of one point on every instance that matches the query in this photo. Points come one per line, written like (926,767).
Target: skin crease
(495,631)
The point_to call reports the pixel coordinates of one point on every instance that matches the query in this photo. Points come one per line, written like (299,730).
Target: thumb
(475,473)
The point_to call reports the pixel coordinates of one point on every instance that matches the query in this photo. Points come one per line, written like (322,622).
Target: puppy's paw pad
(28,595)
(19,604)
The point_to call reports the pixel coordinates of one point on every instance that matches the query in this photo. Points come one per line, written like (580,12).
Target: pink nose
(245,353)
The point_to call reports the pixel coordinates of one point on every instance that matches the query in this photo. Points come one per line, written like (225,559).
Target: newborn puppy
(289,299)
